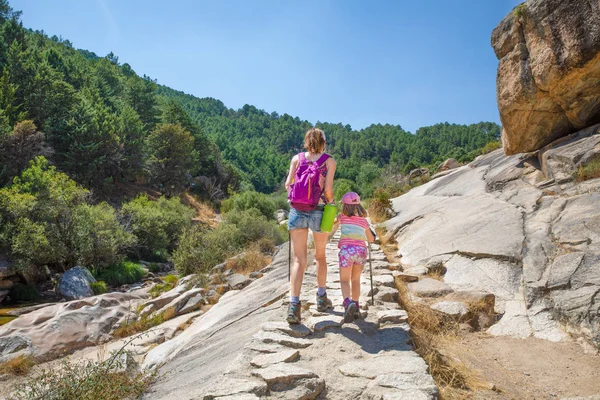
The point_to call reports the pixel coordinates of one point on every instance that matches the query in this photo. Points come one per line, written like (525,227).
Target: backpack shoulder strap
(323,159)
(301,158)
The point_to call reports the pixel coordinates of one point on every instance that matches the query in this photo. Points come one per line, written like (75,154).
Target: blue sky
(411,63)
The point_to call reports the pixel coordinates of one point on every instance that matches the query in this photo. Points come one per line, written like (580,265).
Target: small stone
(405,277)
(238,281)
(387,294)
(255,275)
(265,348)
(265,360)
(393,316)
(320,324)
(384,280)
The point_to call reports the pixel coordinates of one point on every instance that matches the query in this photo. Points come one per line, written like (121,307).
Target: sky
(358,62)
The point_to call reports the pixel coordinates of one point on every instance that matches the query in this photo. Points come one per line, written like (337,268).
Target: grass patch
(99,287)
(138,325)
(24,293)
(251,261)
(109,379)
(379,206)
(591,170)
(169,282)
(20,365)
(520,10)
(126,272)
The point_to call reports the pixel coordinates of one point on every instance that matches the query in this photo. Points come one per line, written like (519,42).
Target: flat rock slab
(320,324)
(384,280)
(428,287)
(387,294)
(375,392)
(282,373)
(227,386)
(240,396)
(420,381)
(452,308)
(298,331)
(266,348)
(284,340)
(402,362)
(264,360)
(393,316)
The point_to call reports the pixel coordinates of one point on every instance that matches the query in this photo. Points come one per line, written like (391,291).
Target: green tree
(170,157)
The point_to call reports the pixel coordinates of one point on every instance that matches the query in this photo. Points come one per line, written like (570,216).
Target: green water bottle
(329,214)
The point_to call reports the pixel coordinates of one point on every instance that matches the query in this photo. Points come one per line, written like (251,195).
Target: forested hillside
(260,144)
(100,122)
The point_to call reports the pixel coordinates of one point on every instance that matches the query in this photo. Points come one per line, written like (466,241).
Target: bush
(280,201)
(379,206)
(99,287)
(170,279)
(98,236)
(200,249)
(247,200)
(24,293)
(154,267)
(250,261)
(156,224)
(123,273)
(342,186)
(20,365)
(87,380)
(591,170)
(491,146)
(253,226)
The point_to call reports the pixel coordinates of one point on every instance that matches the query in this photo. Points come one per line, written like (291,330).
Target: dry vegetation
(204,212)
(250,261)
(20,365)
(139,324)
(591,170)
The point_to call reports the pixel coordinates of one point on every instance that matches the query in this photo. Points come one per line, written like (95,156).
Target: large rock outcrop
(548,82)
(57,330)
(525,229)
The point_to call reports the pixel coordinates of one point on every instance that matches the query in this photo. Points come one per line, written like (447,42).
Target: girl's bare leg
(356,272)
(345,276)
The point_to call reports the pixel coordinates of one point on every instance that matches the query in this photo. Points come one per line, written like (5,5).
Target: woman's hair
(314,140)
(352,210)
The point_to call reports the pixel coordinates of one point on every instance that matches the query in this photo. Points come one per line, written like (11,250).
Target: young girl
(353,251)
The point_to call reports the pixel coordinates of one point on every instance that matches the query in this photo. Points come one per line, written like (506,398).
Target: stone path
(323,358)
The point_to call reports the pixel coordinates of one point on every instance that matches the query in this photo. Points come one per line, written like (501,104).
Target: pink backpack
(305,192)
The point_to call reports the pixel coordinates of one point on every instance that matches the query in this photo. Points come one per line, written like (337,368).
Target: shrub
(159,289)
(247,200)
(154,267)
(280,201)
(380,205)
(200,249)
(87,380)
(520,10)
(491,146)
(253,226)
(170,279)
(156,224)
(342,186)
(591,170)
(98,236)
(123,273)
(99,287)
(24,293)
(250,261)
(20,365)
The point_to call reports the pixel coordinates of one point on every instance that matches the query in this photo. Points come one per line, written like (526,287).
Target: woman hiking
(310,187)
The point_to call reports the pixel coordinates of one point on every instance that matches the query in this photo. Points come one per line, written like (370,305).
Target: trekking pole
(289,256)
(371,273)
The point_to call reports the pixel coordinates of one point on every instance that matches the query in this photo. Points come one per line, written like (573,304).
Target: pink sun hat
(351,198)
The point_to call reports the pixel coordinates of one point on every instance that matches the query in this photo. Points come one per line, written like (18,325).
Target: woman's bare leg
(320,244)
(299,239)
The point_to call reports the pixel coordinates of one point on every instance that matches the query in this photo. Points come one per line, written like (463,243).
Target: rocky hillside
(549,72)
(523,228)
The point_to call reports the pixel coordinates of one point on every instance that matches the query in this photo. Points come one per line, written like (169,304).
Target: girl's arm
(292,172)
(328,190)
(370,236)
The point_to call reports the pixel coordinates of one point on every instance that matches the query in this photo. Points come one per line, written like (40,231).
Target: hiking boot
(357,314)
(293,314)
(323,303)
(350,312)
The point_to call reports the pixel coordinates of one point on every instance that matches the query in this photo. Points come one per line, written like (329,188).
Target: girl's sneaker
(350,312)
(293,314)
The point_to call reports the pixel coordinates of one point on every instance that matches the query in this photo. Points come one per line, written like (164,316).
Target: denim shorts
(305,219)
